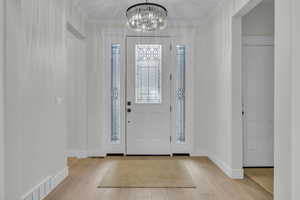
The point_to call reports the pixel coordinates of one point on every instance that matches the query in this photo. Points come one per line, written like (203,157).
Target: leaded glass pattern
(115,94)
(148,73)
(180,94)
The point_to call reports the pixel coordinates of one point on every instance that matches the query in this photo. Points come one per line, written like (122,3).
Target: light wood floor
(262,176)
(212,183)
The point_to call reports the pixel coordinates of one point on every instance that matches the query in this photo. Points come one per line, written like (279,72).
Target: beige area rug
(147,174)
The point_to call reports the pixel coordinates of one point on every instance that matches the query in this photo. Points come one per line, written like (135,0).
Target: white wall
(2,154)
(287,93)
(219,36)
(283,91)
(35,94)
(204,95)
(295,160)
(44,98)
(76,16)
(76,95)
(259,21)
(216,94)
(95,92)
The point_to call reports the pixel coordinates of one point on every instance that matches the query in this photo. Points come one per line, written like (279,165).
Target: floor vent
(40,191)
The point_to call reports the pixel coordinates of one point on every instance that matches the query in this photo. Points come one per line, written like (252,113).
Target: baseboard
(96,154)
(77,154)
(85,154)
(59,177)
(230,172)
(199,154)
(44,188)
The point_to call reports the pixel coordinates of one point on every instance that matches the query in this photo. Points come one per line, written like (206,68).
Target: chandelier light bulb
(147,17)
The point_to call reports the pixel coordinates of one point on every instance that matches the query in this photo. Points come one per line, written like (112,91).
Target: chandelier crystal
(147,17)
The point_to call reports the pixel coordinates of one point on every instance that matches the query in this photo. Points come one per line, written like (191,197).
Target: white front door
(148,96)
(258,99)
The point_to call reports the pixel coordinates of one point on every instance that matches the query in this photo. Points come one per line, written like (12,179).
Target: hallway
(211,183)
(82,80)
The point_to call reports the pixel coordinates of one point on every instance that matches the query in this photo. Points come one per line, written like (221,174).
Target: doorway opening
(257,85)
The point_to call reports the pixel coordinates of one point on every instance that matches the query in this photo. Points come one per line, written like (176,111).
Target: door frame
(106,39)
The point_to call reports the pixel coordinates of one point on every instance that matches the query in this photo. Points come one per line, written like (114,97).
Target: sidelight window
(115,94)
(180,94)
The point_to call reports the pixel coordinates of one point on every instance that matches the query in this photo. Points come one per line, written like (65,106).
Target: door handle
(128,110)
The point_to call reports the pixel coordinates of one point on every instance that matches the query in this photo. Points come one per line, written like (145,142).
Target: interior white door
(258,100)
(148,96)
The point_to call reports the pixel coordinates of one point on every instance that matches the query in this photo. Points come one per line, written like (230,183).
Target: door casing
(118,37)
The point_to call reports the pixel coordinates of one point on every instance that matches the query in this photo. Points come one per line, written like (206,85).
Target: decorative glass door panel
(148,73)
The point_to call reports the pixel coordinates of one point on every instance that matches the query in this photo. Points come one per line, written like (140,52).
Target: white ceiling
(182,10)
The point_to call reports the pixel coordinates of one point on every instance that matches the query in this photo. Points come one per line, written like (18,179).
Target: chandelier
(147,17)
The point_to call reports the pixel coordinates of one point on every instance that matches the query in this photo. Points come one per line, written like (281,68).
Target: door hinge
(170,108)
(171,77)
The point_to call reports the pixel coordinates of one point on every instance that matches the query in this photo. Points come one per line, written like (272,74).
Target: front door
(148,96)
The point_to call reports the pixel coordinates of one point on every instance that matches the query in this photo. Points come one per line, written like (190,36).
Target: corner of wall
(230,172)
(2,130)
(77,153)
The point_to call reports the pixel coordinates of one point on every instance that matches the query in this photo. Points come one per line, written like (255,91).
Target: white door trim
(258,40)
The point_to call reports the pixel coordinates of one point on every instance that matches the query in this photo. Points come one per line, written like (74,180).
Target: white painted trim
(2,93)
(59,177)
(74,31)
(258,40)
(46,183)
(77,154)
(96,154)
(232,173)
(199,154)
(46,186)
(236,137)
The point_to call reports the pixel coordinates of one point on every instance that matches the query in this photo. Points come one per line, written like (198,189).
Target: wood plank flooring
(211,182)
(262,176)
